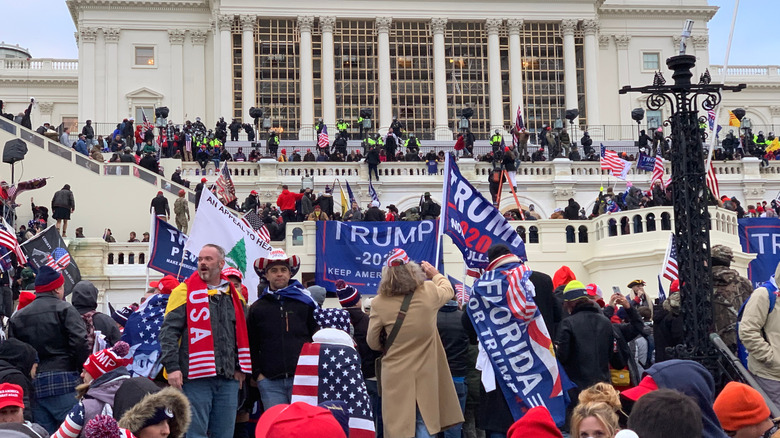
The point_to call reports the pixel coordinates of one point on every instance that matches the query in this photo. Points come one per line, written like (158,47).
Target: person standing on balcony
(234,127)
(89,133)
(565,142)
(160,206)
(62,205)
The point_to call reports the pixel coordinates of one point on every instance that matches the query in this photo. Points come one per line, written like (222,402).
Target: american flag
(658,170)
(322,141)
(58,260)
(147,124)
(474,272)
(669,269)
(711,118)
(712,180)
(8,241)
(332,372)
(188,142)
(618,166)
(462,292)
(519,125)
(521,304)
(256,223)
(141,331)
(225,188)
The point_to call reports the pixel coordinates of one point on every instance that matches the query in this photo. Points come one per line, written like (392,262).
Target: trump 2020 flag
(332,372)
(472,222)
(214,223)
(48,248)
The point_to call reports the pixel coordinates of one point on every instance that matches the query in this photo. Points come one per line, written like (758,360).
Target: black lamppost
(692,220)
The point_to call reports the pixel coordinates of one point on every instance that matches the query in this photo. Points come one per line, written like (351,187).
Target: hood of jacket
(563,276)
(84,296)
(693,380)
(170,398)
(104,387)
(19,355)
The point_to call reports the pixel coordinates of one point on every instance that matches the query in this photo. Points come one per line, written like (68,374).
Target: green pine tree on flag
(237,256)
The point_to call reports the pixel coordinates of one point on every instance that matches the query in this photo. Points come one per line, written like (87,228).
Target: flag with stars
(332,372)
(141,331)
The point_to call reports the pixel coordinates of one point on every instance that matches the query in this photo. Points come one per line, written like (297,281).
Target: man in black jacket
(374,214)
(55,329)
(160,206)
(455,340)
(84,299)
(279,323)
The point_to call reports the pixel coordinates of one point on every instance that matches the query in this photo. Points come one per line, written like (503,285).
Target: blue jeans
(275,391)
(376,405)
(50,412)
(213,403)
(420,431)
(462,389)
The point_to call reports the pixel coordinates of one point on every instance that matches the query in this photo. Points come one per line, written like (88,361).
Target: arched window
(612,228)
(583,234)
(533,235)
(141,258)
(121,259)
(637,224)
(131,258)
(650,222)
(666,221)
(570,234)
(111,258)
(521,232)
(297,235)
(624,226)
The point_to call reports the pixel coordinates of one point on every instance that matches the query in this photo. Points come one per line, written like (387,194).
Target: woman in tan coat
(418,395)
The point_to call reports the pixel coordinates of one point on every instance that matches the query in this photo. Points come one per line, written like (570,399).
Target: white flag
(214,223)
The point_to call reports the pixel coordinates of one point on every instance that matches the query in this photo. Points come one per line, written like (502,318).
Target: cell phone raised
(616,290)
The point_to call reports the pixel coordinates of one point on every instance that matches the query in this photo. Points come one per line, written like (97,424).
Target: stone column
(176,38)
(569,64)
(494,75)
(328,71)
(624,77)
(591,29)
(515,67)
(701,45)
(383,67)
(440,118)
(306,131)
(87,38)
(99,115)
(248,77)
(225,97)
(112,75)
(195,97)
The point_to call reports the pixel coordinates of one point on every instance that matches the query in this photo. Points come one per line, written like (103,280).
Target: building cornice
(705,11)
(74,6)
(40,82)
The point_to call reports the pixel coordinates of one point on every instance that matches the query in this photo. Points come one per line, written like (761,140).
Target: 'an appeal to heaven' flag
(472,222)
(47,248)
(214,223)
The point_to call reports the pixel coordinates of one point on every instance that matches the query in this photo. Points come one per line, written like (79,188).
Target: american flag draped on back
(669,269)
(618,166)
(256,222)
(225,188)
(323,141)
(8,241)
(332,372)
(658,170)
(521,304)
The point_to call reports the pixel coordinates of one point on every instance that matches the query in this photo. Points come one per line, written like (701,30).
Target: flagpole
(714,130)
(444,195)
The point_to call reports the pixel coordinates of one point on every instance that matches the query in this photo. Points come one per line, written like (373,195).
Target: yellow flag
(775,145)
(344,207)
(733,120)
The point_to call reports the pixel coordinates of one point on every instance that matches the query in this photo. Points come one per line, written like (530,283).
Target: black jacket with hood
(85,300)
(16,362)
(139,405)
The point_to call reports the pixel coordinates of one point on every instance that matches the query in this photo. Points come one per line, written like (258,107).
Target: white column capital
(45,107)
(701,41)
(248,22)
(438,25)
(224,21)
(514,25)
(198,37)
(305,23)
(621,41)
(88,34)
(76,36)
(383,24)
(604,41)
(774,110)
(568,26)
(493,25)
(111,35)
(590,27)
(176,36)
(327,23)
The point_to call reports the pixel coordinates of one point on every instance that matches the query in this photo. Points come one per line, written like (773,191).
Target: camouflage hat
(723,254)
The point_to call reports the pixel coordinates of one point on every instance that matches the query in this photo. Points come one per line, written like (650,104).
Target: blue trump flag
(761,236)
(167,250)
(472,222)
(141,332)
(515,341)
(645,162)
(356,251)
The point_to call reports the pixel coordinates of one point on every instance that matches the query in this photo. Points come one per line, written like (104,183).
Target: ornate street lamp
(692,220)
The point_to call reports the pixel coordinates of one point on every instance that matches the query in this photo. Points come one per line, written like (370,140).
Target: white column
(383,65)
(624,78)
(440,118)
(195,97)
(112,75)
(328,71)
(87,37)
(176,103)
(248,23)
(214,107)
(100,82)
(306,131)
(494,75)
(569,64)
(591,48)
(225,97)
(515,67)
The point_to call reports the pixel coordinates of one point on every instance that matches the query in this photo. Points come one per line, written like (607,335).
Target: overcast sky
(46,29)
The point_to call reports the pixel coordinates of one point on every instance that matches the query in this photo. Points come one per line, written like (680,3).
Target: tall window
(465,48)
(278,79)
(238,72)
(357,86)
(411,60)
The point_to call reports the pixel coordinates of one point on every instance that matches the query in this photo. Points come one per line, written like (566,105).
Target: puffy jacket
(63,198)
(278,328)
(84,299)
(88,132)
(286,200)
(759,331)
(173,333)
(55,329)
(374,214)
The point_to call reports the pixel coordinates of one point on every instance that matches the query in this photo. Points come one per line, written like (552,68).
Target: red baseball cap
(11,395)
(645,386)
(166,284)
(298,420)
